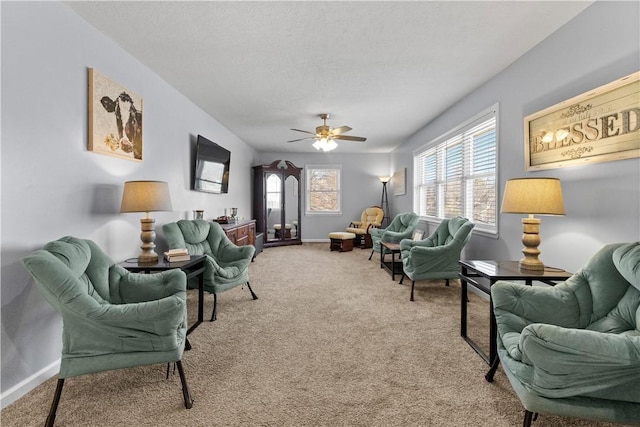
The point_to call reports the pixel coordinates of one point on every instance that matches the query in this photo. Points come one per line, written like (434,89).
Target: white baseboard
(28,384)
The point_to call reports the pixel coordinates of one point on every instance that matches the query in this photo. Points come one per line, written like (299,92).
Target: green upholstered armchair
(371,218)
(437,256)
(112,318)
(227,265)
(574,349)
(402,227)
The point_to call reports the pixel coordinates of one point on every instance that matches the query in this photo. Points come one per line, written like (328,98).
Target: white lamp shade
(145,196)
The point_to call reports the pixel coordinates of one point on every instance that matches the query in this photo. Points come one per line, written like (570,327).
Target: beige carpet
(332,341)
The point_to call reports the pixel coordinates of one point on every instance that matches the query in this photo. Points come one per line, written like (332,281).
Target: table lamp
(531,196)
(146,196)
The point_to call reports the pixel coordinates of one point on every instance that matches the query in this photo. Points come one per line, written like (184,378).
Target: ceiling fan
(325,136)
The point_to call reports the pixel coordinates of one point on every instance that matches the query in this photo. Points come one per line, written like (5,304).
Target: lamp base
(147,235)
(531,240)
(526,264)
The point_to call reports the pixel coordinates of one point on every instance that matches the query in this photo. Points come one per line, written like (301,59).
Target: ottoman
(278,230)
(341,241)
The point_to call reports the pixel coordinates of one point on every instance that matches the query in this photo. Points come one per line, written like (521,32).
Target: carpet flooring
(331,341)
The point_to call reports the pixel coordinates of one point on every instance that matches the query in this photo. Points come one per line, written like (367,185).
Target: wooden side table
(494,271)
(192,268)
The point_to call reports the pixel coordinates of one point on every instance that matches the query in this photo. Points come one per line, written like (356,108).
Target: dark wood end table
(192,268)
(494,271)
(394,267)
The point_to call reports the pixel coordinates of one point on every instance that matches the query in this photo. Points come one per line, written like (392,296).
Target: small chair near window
(227,265)
(402,227)
(370,218)
(437,256)
(112,319)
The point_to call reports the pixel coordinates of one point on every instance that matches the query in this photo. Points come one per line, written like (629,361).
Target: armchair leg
(215,303)
(253,295)
(528,415)
(401,279)
(54,405)
(188,400)
(413,282)
(447,283)
(371,255)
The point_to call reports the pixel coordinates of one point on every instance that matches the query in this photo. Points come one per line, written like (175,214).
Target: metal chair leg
(215,303)
(54,405)
(251,290)
(492,370)
(371,255)
(413,282)
(188,400)
(447,284)
(401,279)
(527,418)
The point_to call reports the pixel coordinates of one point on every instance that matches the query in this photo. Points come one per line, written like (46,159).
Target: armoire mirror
(277,206)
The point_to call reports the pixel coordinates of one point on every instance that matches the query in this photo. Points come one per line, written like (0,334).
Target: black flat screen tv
(211,169)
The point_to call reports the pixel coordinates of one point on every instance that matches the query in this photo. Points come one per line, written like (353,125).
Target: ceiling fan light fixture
(325,144)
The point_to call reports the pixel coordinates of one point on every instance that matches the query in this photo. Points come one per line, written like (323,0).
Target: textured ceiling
(384,68)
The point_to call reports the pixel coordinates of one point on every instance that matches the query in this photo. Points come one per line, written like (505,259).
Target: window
(457,174)
(323,189)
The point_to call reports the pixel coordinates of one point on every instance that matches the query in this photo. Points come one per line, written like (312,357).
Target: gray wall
(602,201)
(361,187)
(52,186)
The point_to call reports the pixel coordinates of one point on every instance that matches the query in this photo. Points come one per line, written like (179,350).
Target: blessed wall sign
(597,126)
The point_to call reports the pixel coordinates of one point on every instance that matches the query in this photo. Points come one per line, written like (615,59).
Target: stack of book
(174,255)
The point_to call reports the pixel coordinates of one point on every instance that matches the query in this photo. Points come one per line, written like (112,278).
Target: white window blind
(456,174)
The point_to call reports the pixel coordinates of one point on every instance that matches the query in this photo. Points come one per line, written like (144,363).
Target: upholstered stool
(287,230)
(341,241)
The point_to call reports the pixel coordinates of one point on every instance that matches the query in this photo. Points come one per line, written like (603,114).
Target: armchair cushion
(227,265)
(574,349)
(437,256)
(371,217)
(402,227)
(102,331)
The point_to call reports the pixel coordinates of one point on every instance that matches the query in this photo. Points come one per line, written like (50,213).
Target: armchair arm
(231,253)
(516,306)
(355,224)
(127,287)
(377,232)
(395,236)
(569,362)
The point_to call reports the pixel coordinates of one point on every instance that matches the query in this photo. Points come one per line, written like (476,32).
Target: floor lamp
(531,196)
(384,202)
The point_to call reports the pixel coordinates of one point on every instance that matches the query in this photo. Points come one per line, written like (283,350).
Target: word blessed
(589,130)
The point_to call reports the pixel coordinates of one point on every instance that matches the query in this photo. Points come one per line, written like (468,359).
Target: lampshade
(531,196)
(145,196)
(384,179)
(541,196)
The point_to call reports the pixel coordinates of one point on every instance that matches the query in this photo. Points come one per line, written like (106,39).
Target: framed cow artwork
(115,118)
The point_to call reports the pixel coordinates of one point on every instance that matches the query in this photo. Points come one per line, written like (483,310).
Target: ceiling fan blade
(304,131)
(302,139)
(350,138)
(341,129)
